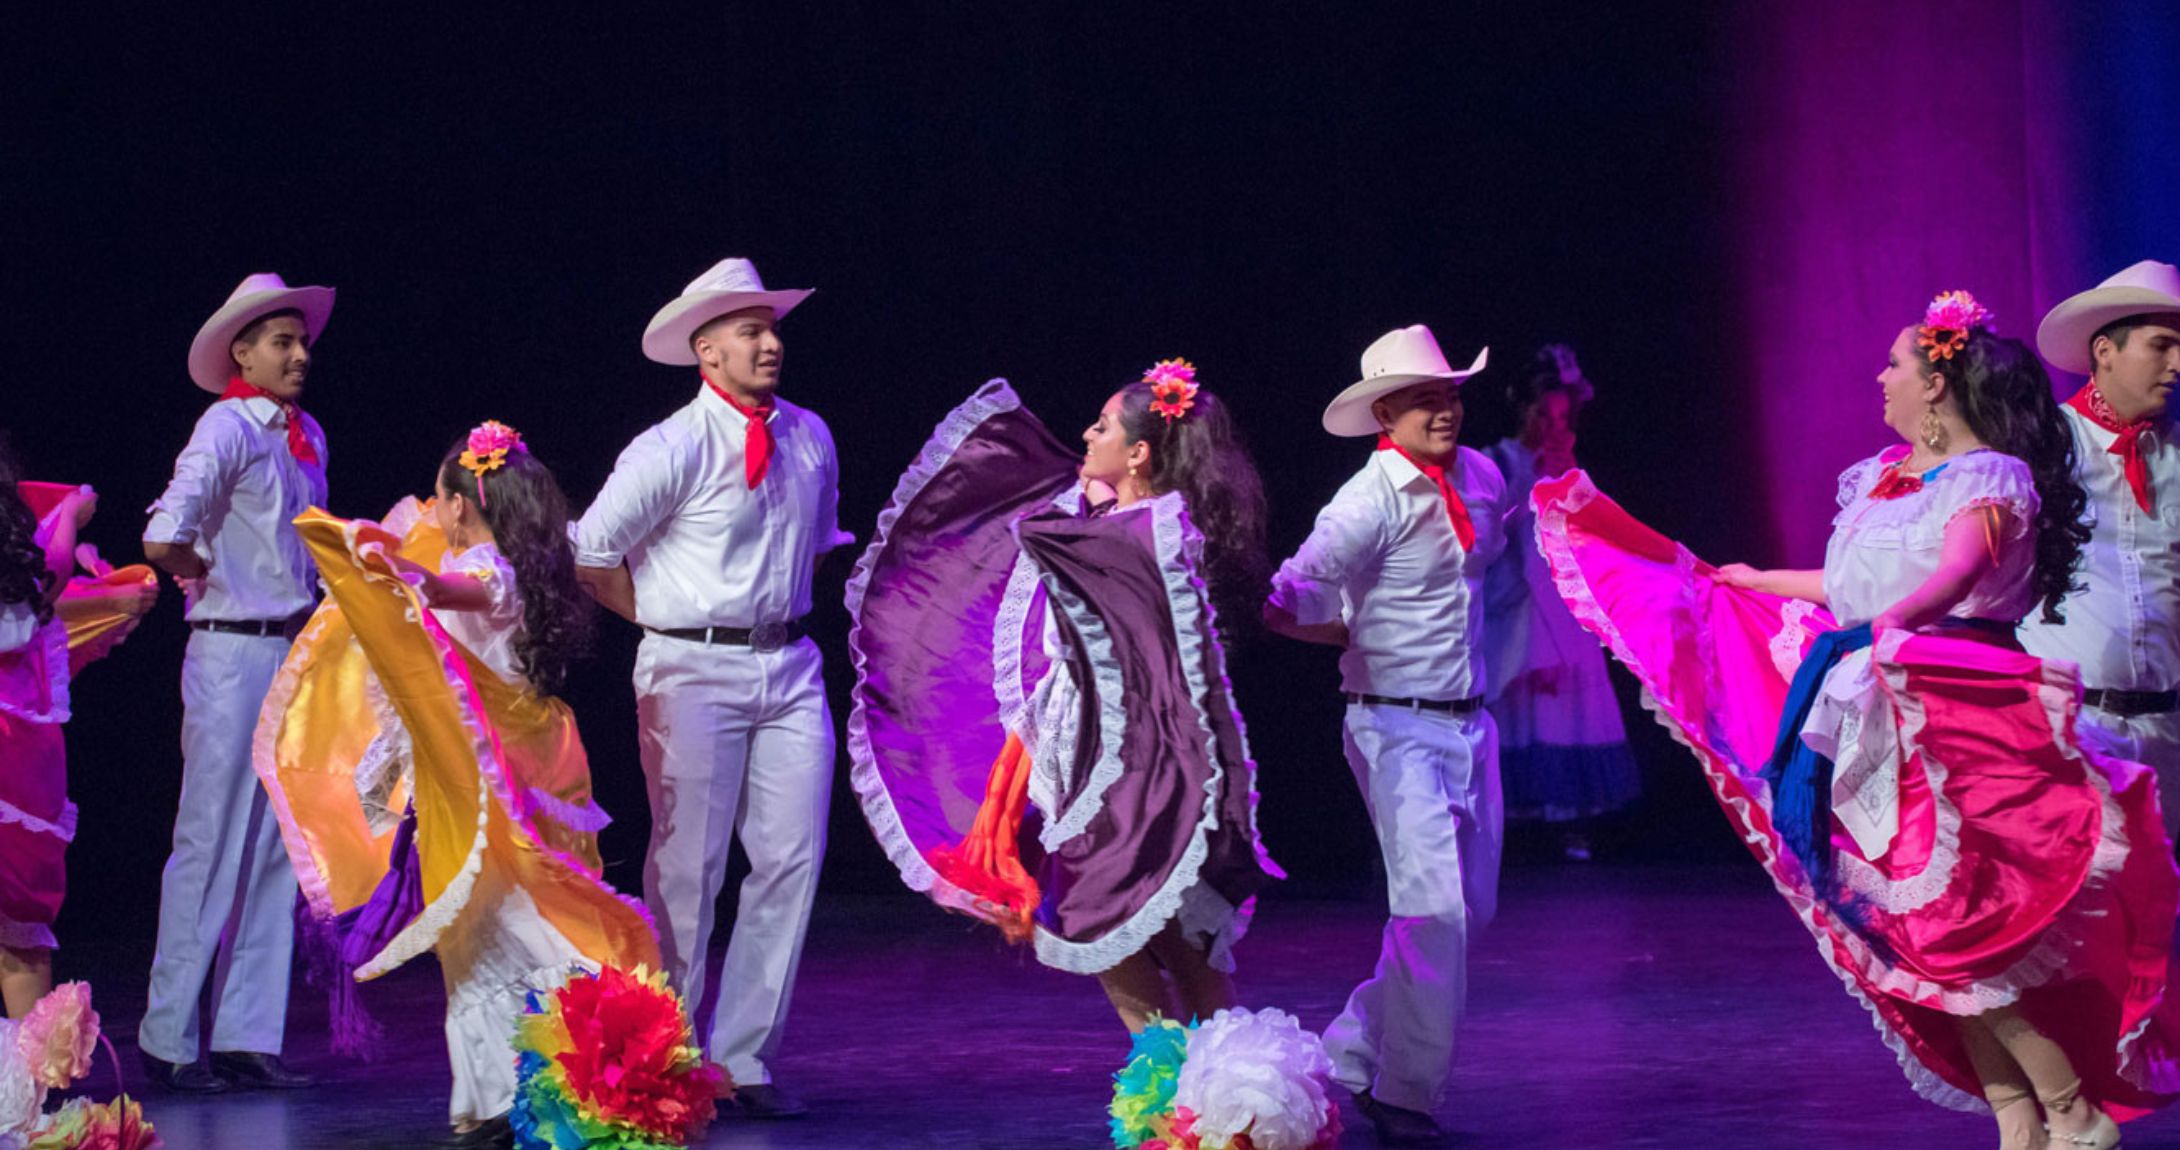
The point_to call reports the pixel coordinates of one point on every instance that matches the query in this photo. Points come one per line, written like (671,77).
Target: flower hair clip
(1947,321)
(487,450)
(1173,387)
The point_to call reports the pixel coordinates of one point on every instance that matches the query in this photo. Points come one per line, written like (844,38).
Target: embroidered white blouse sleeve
(1350,535)
(648,484)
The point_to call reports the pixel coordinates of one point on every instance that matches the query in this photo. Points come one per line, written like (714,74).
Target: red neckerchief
(2098,410)
(757,445)
(1456,510)
(1893,482)
(298,439)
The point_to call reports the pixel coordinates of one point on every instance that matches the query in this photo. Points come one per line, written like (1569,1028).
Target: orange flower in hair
(1173,387)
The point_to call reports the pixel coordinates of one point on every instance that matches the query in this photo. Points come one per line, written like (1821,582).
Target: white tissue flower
(1256,1073)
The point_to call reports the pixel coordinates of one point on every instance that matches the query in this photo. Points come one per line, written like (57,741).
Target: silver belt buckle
(768,636)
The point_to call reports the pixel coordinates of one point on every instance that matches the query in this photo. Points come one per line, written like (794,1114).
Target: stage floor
(1610,1007)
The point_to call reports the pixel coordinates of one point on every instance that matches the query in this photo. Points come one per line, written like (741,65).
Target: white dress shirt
(233,500)
(702,547)
(2123,627)
(1384,559)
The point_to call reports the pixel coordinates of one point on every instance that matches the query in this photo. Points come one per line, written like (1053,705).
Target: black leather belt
(287,628)
(1448,706)
(2127,704)
(762,637)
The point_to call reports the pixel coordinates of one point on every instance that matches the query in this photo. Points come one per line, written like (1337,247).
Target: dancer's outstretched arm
(455,591)
(1792,584)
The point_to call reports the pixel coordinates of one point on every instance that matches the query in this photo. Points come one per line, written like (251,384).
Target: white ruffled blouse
(488,634)
(1882,549)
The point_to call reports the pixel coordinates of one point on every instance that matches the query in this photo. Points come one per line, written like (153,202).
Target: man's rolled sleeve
(203,474)
(643,490)
(1349,534)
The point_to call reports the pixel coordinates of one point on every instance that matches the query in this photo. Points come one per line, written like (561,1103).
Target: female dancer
(1006,602)
(425,778)
(1563,753)
(2000,898)
(38,658)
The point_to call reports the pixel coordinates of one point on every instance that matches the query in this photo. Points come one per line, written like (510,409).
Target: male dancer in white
(707,534)
(1393,573)
(224,529)
(2123,624)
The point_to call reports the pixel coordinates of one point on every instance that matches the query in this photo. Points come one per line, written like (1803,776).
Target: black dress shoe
(260,1071)
(767,1100)
(490,1134)
(1398,1126)
(182,1077)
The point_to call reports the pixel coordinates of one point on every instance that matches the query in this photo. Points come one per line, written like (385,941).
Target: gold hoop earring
(1932,432)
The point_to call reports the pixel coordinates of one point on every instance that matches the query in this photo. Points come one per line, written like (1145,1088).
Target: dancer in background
(41,648)
(2000,897)
(224,528)
(2122,624)
(707,535)
(1563,753)
(464,825)
(1044,629)
(1393,575)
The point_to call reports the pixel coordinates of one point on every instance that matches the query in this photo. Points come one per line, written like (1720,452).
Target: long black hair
(2005,398)
(528,515)
(24,576)
(1201,455)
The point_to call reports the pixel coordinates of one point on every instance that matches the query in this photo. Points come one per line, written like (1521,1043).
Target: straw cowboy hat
(1400,358)
(730,286)
(259,295)
(2064,335)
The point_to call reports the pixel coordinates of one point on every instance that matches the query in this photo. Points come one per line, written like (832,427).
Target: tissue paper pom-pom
(1256,1074)
(59,1035)
(1143,1090)
(21,1098)
(608,1060)
(83,1125)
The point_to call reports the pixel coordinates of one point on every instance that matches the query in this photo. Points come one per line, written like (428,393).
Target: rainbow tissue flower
(608,1061)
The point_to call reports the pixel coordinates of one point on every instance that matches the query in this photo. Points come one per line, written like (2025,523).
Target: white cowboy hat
(1400,358)
(210,363)
(730,286)
(2064,335)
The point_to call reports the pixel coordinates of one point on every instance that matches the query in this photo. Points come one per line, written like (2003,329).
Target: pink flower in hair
(1173,387)
(489,443)
(1947,321)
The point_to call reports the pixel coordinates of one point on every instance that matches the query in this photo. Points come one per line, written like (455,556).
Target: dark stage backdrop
(1055,197)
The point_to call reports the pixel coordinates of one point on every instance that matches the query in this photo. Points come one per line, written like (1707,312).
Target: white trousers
(1431,782)
(736,743)
(227,897)
(2152,740)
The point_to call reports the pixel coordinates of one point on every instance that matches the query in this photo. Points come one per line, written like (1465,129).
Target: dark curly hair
(528,515)
(1202,456)
(24,576)
(2005,398)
